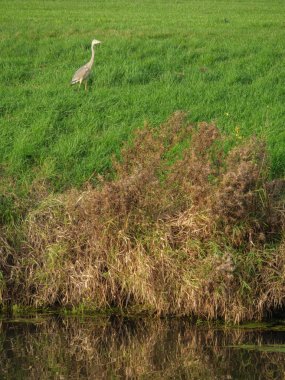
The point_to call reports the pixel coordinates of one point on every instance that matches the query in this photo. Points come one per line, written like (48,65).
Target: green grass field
(221,61)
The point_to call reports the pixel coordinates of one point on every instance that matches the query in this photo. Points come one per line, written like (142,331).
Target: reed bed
(186,227)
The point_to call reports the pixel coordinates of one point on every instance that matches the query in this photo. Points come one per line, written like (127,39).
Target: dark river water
(54,347)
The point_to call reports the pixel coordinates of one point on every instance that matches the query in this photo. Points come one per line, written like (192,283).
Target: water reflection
(93,348)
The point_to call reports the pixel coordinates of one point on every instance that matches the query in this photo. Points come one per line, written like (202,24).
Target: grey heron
(83,73)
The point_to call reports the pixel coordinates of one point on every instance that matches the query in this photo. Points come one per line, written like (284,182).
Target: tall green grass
(219,60)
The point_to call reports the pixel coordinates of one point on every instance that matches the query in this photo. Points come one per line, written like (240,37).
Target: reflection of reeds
(198,236)
(154,349)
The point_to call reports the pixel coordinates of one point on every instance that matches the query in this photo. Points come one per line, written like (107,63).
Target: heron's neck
(92,55)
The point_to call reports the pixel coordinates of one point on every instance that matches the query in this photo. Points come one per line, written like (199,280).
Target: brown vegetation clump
(183,228)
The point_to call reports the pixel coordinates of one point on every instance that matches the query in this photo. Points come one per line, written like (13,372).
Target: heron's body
(82,74)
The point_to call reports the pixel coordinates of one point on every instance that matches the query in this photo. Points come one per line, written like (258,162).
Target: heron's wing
(81,74)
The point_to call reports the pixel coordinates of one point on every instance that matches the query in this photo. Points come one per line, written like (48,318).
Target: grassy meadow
(221,61)
(195,233)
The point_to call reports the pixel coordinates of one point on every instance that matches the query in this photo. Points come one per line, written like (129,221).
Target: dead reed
(183,228)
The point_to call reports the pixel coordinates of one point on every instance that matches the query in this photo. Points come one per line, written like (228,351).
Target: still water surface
(52,347)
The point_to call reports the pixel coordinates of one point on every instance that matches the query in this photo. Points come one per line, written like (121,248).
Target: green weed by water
(221,61)
(262,348)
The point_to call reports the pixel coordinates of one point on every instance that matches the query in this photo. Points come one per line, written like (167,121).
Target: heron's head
(95,42)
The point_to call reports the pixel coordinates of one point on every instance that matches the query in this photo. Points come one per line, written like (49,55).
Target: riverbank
(185,220)
(191,224)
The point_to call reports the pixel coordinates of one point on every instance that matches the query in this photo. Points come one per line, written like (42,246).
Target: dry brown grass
(198,236)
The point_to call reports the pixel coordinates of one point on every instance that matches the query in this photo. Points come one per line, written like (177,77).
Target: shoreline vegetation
(190,224)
